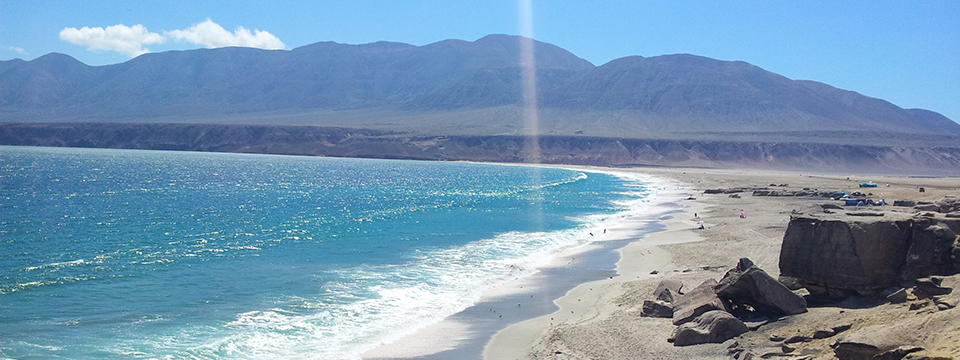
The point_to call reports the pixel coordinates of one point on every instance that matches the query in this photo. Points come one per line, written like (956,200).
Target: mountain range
(363,84)
(460,88)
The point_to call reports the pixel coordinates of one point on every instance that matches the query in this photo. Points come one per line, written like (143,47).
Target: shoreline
(637,260)
(617,331)
(468,333)
(606,322)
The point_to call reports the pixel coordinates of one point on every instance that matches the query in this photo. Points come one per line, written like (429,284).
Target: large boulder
(747,284)
(714,326)
(656,308)
(667,290)
(837,256)
(696,302)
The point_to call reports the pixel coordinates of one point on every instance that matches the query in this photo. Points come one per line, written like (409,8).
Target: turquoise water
(148,254)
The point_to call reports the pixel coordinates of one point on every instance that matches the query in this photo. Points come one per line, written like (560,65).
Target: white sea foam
(56,265)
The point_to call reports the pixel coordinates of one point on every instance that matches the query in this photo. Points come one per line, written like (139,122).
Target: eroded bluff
(835,256)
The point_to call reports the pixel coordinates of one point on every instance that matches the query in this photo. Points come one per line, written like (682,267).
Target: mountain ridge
(640,97)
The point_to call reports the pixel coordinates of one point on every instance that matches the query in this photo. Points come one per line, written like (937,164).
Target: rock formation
(835,256)
(656,308)
(749,285)
(668,290)
(696,302)
(872,341)
(714,326)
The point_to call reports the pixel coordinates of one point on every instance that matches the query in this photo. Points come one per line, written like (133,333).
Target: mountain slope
(450,86)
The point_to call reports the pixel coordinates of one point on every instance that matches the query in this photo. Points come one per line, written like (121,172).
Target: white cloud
(120,38)
(18,50)
(212,35)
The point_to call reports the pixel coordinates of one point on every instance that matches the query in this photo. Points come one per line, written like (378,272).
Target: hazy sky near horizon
(906,52)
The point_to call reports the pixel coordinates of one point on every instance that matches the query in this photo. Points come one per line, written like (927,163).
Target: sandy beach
(599,318)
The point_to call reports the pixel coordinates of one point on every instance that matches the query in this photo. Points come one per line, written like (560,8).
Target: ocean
(153,254)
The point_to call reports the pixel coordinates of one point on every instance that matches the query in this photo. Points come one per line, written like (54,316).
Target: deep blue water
(148,254)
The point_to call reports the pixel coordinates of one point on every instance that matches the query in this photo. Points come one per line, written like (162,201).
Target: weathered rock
(871,341)
(898,353)
(667,290)
(836,256)
(747,284)
(945,304)
(770,352)
(714,326)
(796,339)
(696,302)
(930,286)
(931,249)
(897,297)
(839,328)
(948,204)
(656,308)
(927,207)
(918,305)
(905,203)
(727,190)
(865,213)
(753,325)
(823,333)
(791,283)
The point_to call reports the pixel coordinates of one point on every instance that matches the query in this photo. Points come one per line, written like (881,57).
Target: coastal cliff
(555,149)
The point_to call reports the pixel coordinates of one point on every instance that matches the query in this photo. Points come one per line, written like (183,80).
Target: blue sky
(906,52)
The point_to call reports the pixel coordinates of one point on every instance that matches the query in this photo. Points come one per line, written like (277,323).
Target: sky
(905,52)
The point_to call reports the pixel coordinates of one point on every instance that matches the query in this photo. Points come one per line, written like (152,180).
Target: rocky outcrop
(836,256)
(714,326)
(732,190)
(948,204)
(748,285)
(656,308)
(905,203)
(872,341)
(696,302)
(812,193)
(933,249)
(668,290)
